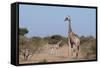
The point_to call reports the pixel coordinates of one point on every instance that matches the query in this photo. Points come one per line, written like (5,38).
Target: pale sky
(49,20)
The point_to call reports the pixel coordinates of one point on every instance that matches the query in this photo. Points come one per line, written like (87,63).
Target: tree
(56,37)
(23,31)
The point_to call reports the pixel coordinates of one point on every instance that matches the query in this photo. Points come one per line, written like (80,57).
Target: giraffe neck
(70,29)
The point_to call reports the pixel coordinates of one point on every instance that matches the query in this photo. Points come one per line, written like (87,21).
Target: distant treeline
(54,38)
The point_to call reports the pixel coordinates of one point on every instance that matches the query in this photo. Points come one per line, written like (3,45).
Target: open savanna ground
(42,50)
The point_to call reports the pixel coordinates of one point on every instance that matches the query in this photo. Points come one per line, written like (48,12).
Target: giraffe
(54,47)
(73,40)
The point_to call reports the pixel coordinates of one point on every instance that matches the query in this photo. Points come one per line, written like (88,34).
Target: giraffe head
(68,18)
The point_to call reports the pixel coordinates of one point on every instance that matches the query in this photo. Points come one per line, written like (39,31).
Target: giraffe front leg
(70,53)
(69,49)
(76,52)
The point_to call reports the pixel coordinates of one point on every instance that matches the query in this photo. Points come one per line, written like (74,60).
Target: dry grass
(41,50)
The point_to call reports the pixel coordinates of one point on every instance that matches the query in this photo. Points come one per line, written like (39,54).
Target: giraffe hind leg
(77,52)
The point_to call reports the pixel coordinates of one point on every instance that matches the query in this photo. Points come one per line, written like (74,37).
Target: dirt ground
(60,54)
